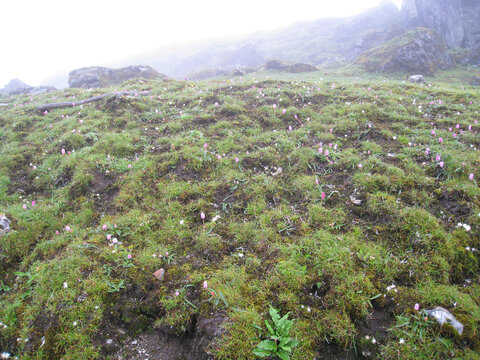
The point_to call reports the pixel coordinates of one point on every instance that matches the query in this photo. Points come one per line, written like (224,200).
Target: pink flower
(24,206)
(416,307)
(57,232)
(33,203)
(284,111)
(109,236)
(290,127)
(360,166)
(205,284)
(369,125)
(129,256)
(63,151)
(202,215)
(323,196)
(331,130)
(470,176)
(438,157)
(219,157)
(440,140)
(440,164)
(205,145)
(327,152)
(458,126)
(177,293)
(463,164)
(104,227)
(129,166)
(316,181)
(237,160)
(216,104)
(274,106)
(68,228)
(433,132)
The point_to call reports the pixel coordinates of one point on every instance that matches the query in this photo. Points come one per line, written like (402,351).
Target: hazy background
(48,37)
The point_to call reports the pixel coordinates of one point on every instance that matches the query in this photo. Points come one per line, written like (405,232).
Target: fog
(41,38)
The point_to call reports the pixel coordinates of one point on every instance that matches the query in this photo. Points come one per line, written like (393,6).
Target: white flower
(65,285)
(402,341)
(4,355)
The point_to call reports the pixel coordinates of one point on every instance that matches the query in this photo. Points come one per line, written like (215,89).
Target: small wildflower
(65,285)
(202,215)
(177,293)
(104,227)
(24,206)
(129,256)
(109,236)
(402,341)
(416,307)
(323,196)
(205,284)
(470,176)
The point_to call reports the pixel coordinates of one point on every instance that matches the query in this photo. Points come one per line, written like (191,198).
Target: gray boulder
(96,76)
(4,224)
(443,316)
(419,50)
(416,79)
(301,67)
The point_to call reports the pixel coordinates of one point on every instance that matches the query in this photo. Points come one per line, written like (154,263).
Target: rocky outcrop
(300,68)
(417,51)
(96,77)
(456,21)
(18,87)
(279,65)
(475,81)
(15,85)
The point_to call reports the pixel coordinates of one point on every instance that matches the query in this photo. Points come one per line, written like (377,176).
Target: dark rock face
(96,77)
(419,51)
(456,21)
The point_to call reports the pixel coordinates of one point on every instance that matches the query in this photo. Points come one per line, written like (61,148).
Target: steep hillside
(172,224)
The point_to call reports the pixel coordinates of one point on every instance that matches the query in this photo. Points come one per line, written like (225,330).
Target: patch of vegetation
(340,201)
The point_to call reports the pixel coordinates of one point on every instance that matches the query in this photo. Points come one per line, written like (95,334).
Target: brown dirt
(103,185)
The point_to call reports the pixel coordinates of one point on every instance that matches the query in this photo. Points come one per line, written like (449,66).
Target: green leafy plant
(279,343)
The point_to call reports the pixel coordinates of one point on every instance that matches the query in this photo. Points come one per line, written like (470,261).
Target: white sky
(42,37)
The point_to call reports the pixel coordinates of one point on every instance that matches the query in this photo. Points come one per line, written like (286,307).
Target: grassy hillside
(343,204)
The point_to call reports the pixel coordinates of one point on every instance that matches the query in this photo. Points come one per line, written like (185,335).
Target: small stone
(4,224)
(160,274)
(442,316)
(416,79)
(109,342)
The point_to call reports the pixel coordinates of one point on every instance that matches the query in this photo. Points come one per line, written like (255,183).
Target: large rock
(419,50)
(96,76)
(301,67)
(280,65)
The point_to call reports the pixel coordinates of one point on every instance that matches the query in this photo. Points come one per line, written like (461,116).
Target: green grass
(281,228)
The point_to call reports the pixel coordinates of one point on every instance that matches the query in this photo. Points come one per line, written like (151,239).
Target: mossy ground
(281,224)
